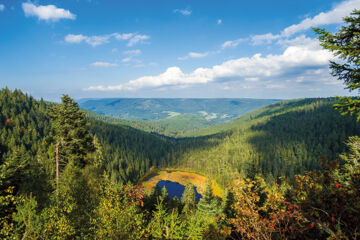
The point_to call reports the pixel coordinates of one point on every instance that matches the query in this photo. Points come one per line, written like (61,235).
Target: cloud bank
(304,56)
(132,38)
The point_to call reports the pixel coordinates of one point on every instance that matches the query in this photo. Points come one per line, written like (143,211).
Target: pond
(176,189)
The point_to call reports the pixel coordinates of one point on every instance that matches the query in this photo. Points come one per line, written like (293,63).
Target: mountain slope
(25,133)
(171,117)
(281,139)
(213,109)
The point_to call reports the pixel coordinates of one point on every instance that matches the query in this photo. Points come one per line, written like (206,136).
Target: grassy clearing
(154,176)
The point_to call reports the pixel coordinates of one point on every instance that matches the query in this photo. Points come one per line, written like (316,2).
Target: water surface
(176,189)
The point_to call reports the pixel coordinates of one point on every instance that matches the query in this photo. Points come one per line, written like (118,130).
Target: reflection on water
(176,189)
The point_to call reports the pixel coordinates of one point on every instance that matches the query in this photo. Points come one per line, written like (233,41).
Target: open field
(179,176)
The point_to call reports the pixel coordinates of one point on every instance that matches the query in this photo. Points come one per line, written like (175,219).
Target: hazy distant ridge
(211,109)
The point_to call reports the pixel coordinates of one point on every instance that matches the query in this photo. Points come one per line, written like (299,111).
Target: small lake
(176,189)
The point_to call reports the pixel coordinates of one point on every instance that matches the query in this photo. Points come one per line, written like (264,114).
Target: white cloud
(275,86)
(71,38)
(299,40)
(2,7)
(124,36)
(135,52)
(47,13)
(295,60)
(184,12)
(233,43)
(93,40)
(102,39)
(103,64)
(333,16)
(194,55)
(267,38)
(219,21)
(137,39)
(252,79)
(126,60)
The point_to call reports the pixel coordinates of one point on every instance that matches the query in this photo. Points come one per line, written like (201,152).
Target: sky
(169,48)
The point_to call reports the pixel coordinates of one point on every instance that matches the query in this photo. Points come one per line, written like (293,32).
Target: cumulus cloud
(295,60)
(233,43)
(103,39)
(47,13)
(103,64)
(335,15)
(2,7)
(194,55)
(184,12)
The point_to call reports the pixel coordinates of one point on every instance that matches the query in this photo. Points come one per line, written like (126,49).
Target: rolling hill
(171,117)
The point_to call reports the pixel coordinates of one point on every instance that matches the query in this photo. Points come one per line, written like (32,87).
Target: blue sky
(168,48)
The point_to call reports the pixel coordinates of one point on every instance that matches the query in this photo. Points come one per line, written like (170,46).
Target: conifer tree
(208,204)
(73,141)
(345,44)
(188,199)
(227,202)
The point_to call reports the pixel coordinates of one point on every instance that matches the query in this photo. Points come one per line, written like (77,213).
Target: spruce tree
(72,139)
(208,204)
(188,199)
(69,128)
(345,44)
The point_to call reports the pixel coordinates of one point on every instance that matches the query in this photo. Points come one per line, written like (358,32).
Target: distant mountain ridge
(210,109)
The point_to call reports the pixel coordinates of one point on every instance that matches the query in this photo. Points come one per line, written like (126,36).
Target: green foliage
(129,153)
(29,225)
(330,200)
(208,204)
(171,225)
(119,215)
(262,212)
(216,110)
(345,45)
(70,133)
(282,139)
(188,199)
(91,203)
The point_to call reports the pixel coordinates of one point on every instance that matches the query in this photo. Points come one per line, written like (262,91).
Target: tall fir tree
(188,199)
(208,204)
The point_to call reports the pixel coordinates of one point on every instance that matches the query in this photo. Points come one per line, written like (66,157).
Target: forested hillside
(282,139)
(175,126)
(25,131)
(170,116)
(61,175)
(214,109)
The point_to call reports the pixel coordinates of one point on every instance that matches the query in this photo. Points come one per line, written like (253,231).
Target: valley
(173,117)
